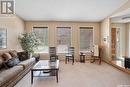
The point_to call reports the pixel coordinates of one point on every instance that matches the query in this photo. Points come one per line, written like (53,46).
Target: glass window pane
(42,34)
(63,39)
(86,39)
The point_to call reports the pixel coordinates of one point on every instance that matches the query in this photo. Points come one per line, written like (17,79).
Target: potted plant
(29,43)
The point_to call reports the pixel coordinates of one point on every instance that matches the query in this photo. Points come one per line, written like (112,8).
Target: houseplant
(29,42)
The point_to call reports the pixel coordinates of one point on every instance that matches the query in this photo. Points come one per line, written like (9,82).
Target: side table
(82,58)
(127,62)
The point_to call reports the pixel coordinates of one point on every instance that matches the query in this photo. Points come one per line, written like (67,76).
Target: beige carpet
(81,75)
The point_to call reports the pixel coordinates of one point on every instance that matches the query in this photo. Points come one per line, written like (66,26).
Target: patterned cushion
(69,55)
(11,62)
(23,56)
(13,53)
(7,56)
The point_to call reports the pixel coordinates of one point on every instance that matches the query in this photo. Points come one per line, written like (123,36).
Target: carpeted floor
(81,75)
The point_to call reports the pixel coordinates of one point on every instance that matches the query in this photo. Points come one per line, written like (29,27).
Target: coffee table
(45,68)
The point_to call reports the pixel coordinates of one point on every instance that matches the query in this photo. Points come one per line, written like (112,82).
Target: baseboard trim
(118,67)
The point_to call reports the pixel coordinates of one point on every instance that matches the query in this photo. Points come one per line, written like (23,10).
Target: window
(86,39)
(42,34)
(63,39)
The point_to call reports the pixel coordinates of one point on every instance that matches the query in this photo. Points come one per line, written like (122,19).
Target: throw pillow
(13,53)
(7,56)
(1,62)
(11,62)
(22,56)
(16,60)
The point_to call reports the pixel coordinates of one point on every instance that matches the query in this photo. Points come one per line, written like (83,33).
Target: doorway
(115,43)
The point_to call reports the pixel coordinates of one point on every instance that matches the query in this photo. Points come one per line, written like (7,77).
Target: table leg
(84,58)
(57,76)
(80,58)
(100,60)
(66,60)
(31,76)
(93,60)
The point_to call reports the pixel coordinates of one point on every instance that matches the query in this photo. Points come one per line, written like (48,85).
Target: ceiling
(66,10)
(121,17)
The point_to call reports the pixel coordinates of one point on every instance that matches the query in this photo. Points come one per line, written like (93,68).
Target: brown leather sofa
(10,76)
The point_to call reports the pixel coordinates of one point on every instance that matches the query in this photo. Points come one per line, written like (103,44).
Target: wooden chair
(97,56)
(53,55)
(70,55)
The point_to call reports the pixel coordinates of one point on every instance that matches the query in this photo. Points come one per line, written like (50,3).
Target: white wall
(14,26)
(105,32)
(128,43)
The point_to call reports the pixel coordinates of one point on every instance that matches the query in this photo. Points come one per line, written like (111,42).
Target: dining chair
(70,55)
(52,53)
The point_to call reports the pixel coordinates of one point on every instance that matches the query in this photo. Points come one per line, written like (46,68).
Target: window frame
(47,35)
(86,51)
(56,36)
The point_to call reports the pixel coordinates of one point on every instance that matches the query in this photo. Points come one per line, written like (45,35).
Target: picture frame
(3,38)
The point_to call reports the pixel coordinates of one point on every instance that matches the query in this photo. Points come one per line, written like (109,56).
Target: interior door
(118,43)
(113,43)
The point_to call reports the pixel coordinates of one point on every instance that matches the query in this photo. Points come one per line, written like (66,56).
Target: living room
(63,24)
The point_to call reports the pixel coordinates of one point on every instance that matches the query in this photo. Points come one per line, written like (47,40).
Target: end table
(82,57)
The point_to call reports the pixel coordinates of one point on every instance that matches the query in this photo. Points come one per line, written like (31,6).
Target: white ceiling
(66,10)
(124,12)
(121,17)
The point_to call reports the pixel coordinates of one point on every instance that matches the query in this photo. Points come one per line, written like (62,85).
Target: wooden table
(45,68)
(82,58)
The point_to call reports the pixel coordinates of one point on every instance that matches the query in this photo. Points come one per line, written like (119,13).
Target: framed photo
(3,38)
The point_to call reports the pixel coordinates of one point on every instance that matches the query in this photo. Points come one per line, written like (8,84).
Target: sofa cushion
(11,62)
(22,56)
(1,62)
(27,62)
(7,56)
(13,53)
(10,73)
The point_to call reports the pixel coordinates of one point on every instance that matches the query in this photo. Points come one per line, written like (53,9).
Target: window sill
(85,51)
(42,52)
